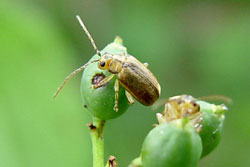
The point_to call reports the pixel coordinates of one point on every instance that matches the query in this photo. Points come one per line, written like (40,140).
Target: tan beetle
(181,106)
(135,77)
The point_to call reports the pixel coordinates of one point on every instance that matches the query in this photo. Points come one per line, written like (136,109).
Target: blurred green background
(193,47)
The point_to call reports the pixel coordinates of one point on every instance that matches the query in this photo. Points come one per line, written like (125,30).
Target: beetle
(180,106)
(135,77)
(177,107)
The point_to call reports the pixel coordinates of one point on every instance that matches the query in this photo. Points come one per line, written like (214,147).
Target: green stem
(96,130)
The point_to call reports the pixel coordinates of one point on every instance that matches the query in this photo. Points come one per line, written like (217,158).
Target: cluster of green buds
(188,130)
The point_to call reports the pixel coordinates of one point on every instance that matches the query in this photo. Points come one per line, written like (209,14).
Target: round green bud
(212,123)
(100,101)
(174,144)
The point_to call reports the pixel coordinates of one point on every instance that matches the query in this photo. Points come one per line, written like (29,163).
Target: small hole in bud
(97,78)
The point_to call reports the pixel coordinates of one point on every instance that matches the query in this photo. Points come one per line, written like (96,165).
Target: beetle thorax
(115,65)
(112,63)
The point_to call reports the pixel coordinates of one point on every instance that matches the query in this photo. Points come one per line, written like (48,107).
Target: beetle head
(104,61)
(185,104)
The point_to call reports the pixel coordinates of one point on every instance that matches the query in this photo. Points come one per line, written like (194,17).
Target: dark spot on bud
(97,78)
(91,126)
(85,106)
(112,162)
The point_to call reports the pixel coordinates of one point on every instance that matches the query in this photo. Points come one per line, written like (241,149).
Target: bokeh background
(193,47)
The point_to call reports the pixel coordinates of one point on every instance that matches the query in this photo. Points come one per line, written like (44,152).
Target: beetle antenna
(222,98)
(159,103)
(71,75)
(88,34)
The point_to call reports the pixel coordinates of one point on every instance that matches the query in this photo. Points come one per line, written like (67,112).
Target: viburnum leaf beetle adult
(135,77)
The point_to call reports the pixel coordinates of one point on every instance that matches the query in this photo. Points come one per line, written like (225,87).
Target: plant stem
(96,130)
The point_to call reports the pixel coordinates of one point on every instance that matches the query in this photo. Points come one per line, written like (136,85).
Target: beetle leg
(160,118)
(116,87)
(145,64)
(170,112)
(129,97)
(103,82)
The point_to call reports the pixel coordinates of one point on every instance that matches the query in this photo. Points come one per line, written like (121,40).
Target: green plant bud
(212,123)
(174,144)
(100,102)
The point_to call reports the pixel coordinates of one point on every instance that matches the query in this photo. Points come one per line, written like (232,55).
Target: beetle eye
(102,63)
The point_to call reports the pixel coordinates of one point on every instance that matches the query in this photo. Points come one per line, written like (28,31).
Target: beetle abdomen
(139,81)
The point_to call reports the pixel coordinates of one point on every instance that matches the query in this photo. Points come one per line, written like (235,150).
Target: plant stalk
(96,133)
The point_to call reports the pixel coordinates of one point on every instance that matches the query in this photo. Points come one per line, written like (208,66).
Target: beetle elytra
(135,77)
